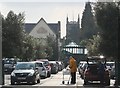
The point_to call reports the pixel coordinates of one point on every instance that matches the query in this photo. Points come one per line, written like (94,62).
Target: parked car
(9,64)
(47,65)
(80,66)
(54,67)
(25,72)
(61,65)
(112,72)
(41,68)
(109,65)
(92,72)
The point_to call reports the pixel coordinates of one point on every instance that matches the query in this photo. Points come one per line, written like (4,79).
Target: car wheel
(86,82)
(34,81)
(49,74)
(107,82)
(38,81)
(12,82)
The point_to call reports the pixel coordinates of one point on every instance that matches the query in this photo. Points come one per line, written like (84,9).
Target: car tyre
(34,82)
(86,82)
(38,81)
(107,83)
(49,74)
(12,82)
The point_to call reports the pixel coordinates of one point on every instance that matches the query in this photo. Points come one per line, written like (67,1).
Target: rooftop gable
(42,30)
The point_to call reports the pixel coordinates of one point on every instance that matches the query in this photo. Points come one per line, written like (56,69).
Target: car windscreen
(110,64)
(9,62)
(25,66)
(46,63)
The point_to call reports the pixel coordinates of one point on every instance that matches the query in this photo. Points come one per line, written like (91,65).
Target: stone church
(73,31)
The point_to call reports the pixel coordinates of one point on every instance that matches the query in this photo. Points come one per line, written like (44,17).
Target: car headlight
(12,74)
(30,74)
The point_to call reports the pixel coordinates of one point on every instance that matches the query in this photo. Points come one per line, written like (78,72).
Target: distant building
(73,31)
(42,29)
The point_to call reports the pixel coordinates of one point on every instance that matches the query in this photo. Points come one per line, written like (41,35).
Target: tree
(88,26)
(108,16)
(107,19)
(13,35)
(52,48)
(92,45)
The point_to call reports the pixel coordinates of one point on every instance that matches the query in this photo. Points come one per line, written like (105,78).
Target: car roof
(52,61)
(110,62)
(37,61)
(24,62)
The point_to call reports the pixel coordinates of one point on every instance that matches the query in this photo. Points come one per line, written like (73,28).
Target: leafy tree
(52,49)
(92,45)
(29,52)
(88,26)
(12,31)
(107,19)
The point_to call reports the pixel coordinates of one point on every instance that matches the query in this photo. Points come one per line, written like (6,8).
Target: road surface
(55,81)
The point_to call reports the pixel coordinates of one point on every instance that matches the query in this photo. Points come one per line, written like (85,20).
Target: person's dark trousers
(73,77)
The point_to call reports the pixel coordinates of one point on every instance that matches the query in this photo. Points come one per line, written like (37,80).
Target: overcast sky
(51,10)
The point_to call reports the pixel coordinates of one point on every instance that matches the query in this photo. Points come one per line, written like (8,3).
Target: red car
(92,73)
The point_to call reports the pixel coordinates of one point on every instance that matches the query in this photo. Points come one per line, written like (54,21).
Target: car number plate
(22,78)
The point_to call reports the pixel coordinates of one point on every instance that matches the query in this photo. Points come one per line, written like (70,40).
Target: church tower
(73,31)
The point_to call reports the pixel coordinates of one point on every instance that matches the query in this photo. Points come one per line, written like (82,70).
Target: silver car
(42,69)
(25,72)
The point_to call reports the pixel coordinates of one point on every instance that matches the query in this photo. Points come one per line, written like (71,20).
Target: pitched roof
(53,26)
(29,27)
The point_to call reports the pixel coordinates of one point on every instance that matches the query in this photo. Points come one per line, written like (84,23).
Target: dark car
(92,72)
(9,64)
(25,72)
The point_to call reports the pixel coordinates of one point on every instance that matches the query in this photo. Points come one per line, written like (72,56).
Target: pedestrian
(101,70)
(73,69)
